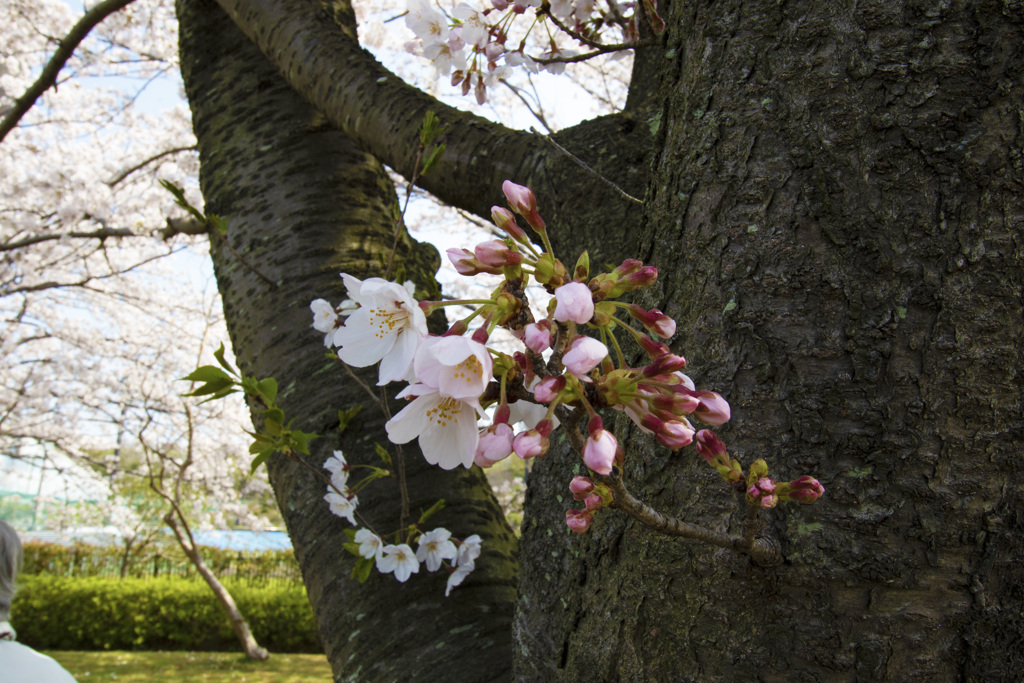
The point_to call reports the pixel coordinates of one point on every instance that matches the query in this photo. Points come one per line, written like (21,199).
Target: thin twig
(156,157)
(603,50)
(586,167)
(65,48)
(362,384)
(765,552)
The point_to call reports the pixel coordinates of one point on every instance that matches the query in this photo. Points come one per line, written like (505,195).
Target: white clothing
(21,664)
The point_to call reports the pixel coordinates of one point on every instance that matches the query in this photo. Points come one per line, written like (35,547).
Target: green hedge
(167,613)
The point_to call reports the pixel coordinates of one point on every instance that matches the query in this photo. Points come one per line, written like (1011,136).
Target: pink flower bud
(584,354)
(676,404)
(502,413)
(804,490)
(466,263)
(506,220)
(599,452)
(522,201)
(645,277)
(495,444)
(711,448)
(579,520)
(496,254)
(594,502)
(581,487)
(574,302)
(665,364)
(526,366)
(530,444)
(654,349)
(537,336)
(654,320)
(762,493)
(458,328)
(675,435)
(548,388)
(713,409)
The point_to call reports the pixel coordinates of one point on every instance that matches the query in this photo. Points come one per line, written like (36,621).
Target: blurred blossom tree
(830,191)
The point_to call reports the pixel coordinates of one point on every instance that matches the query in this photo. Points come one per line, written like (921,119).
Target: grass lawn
(143,667)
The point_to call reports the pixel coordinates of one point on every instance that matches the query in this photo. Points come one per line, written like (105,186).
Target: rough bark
(303,203)
(835,208)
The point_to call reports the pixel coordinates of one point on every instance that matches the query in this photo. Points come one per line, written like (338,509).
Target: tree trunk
(239,625)
(834,203)
(304,203)
(836,215)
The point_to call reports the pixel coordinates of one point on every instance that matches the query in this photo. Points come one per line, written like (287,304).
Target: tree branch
(765,552)
(324,63)
(100,234)
(65,48)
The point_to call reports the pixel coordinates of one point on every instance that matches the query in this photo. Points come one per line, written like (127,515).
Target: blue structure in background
(226,539)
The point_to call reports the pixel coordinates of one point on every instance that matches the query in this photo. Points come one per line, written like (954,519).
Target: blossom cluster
(477,44)
(435,549)
(571,361)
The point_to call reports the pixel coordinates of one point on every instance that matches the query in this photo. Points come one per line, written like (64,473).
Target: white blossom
(398,559)
(435,546)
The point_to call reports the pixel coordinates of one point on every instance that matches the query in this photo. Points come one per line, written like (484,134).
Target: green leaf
(220,394)
(345,416)
(432,159)
(435,508)
(350,534)
(179,199)
(211,388)
(261,458)
(364,565)
(301,441)
(352,548)
(430,128)
(219,355)
(383,454)
(207,373)
(267,388)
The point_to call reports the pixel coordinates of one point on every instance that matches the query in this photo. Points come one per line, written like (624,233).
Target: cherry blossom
(434,547)
(457,577)
(387,327)
(343,506)
(325,319)
(456,367)
(445,427)
(399,559)
(338,468)
(469,551)
(370,545)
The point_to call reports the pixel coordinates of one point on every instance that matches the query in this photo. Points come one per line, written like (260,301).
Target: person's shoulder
(22,664)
